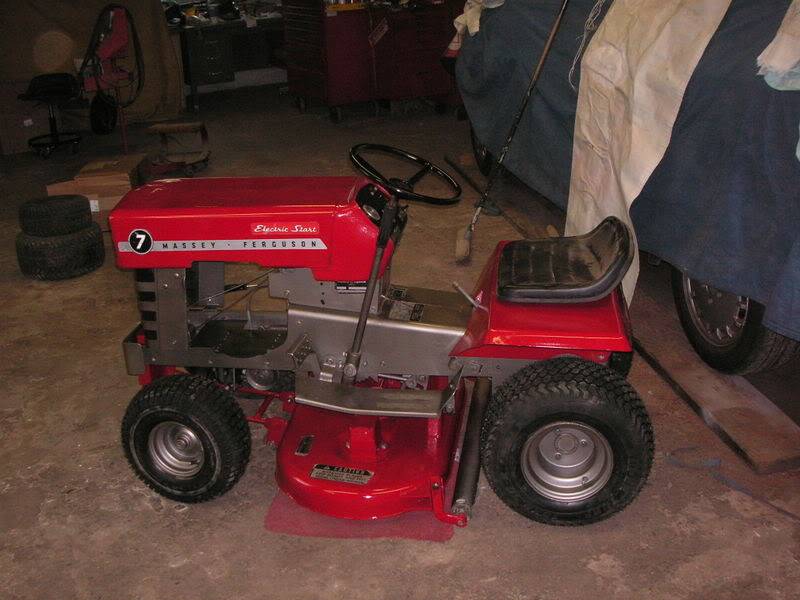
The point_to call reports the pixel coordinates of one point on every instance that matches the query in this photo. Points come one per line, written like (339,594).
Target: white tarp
(633,77)
(783,54)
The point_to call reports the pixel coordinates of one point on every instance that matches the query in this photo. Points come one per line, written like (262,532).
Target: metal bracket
(301,349)
(449,394)
(390,402)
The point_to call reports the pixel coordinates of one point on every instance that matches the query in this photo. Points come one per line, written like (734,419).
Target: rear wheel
(186,438)
(566,442)
(726,329)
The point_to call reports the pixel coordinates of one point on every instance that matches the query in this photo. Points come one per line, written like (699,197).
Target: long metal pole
(353,358)
(531,85)
(464,240)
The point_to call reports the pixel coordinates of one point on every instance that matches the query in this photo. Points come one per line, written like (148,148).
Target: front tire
(566,442)
(186,438)
(726,330)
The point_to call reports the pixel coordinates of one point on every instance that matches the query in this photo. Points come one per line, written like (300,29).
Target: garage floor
(76,523)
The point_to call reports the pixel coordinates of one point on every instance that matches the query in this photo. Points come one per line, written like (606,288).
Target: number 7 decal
(140,241)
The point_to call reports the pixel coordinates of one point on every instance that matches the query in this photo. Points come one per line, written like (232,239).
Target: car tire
(186,438)
(55,215)
(566,442)
(726,330)
(61,256)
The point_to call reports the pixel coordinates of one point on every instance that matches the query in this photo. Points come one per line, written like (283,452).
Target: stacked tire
(58,240)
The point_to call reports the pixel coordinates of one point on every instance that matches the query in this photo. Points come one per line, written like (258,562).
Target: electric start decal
(342,474)
(141,242)
(284,228)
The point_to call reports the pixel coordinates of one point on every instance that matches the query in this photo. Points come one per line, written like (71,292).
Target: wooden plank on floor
(742,416)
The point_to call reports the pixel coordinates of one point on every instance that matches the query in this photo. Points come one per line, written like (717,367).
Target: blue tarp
(723,204)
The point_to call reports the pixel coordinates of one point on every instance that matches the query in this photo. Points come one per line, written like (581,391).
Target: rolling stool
(53,89)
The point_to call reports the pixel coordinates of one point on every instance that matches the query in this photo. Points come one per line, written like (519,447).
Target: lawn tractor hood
(288,222)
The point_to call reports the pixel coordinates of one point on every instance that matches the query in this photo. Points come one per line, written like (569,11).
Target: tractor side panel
(299,222)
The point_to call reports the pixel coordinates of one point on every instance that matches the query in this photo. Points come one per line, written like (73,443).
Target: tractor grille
(146,301)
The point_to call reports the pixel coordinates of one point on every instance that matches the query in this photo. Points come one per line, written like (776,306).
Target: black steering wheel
(404,188)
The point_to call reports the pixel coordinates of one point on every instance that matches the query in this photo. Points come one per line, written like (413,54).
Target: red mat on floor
(286,516)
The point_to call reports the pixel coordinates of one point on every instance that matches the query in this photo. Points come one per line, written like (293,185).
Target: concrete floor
(76,523)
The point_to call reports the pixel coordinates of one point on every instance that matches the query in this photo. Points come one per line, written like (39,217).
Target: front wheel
(186,438)
(726,329)
(566,442)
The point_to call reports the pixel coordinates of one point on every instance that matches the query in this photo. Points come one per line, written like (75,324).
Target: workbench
(214,53)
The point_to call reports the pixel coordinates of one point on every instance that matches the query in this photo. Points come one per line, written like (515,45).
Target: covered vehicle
(722,204)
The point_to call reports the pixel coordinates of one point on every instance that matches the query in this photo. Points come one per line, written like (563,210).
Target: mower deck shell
(404,463)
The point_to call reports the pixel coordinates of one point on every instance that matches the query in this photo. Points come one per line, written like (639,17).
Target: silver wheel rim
(718,316)
(260,379)
(175,450)
(567,461)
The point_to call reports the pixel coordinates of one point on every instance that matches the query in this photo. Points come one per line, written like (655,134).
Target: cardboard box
(19,120)
(104,183)
(115,169)
(102,199)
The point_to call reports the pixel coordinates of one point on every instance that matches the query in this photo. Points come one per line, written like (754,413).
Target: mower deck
(365,467)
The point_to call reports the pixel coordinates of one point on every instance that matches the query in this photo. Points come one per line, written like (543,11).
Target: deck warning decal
(342,474)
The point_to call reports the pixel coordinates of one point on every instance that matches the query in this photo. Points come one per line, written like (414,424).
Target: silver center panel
(415,340)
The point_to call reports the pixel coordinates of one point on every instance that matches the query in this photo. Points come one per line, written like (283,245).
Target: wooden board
(742,416)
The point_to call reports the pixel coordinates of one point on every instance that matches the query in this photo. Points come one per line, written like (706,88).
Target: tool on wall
(107,71)
(464,236)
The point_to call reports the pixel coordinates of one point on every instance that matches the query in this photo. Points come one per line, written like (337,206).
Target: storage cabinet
(213,53)
(408,55)
(341,54)
(328,57)
(208,54)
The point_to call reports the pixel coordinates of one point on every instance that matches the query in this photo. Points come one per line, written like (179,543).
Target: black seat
(53,89)
(568,269)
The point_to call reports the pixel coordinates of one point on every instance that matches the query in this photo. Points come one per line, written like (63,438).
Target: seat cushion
(52,87)
(567,269)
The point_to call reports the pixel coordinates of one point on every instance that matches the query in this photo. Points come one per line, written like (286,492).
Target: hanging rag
(633,77)
(782,56)
(469,22)
(779,63)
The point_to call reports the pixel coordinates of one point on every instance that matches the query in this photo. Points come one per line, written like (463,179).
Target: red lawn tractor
(381,398)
